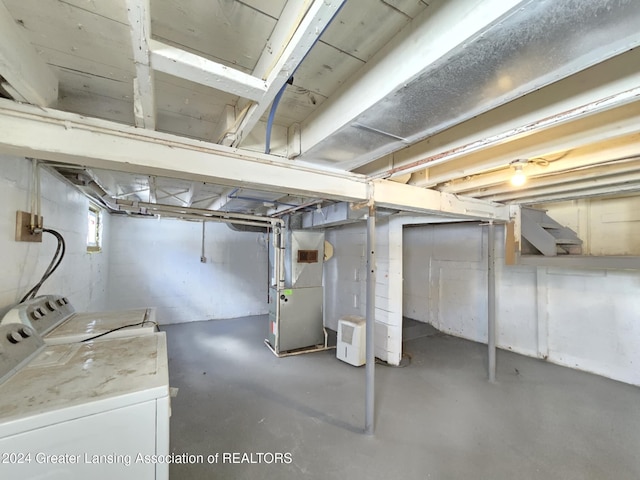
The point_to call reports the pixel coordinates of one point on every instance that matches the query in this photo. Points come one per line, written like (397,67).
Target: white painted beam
(28,78)
(605,86)
(318,15)
(144,107)
(183,64)
(439,29)
(288,23)
(66,137)
(70,138)
(581,160)
(576,180)
(603,131)
(420,200)
(611,184)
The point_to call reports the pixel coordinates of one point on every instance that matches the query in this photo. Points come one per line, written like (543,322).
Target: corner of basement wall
(82,276)
(578,318)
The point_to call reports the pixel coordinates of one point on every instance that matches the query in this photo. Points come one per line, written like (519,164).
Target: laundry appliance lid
(65,382)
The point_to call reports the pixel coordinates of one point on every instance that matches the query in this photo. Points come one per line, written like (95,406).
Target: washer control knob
(14,337)
(36,314)
(60,302)
(65,300)
(51,305)
(25,332)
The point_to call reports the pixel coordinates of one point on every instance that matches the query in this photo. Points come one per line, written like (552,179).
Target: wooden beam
(277,72)
(28,78)
(421,200)
(603,87)
(76,139)
(183,64)
(70,138)
(144,107)
(582,160)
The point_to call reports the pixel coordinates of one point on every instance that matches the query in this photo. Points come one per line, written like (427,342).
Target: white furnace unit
(296,323)
(351,346)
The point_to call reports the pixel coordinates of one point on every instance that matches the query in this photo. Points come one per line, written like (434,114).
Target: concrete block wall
(82,276)
(609,226)
(156,262)
(583,319)
(345,273)
(345,285)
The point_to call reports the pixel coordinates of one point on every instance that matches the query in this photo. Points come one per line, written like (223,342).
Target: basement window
(94,230)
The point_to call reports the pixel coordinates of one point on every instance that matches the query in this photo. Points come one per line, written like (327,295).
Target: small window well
(94,231)
(307,256)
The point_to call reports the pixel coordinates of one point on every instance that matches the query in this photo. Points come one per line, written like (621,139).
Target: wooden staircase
(542,235)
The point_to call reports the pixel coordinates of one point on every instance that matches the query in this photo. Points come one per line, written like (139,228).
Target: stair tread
(568,241)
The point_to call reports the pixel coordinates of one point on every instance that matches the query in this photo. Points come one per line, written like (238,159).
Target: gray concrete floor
(437,418)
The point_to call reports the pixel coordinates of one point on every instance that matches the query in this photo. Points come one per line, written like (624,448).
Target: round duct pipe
(247,228)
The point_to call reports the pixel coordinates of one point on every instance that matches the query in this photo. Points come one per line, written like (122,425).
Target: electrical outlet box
(23,228)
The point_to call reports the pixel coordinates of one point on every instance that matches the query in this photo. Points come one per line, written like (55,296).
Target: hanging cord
(139,324)
(55,263)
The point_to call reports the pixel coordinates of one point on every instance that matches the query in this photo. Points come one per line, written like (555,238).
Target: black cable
(118,328)
(55,263)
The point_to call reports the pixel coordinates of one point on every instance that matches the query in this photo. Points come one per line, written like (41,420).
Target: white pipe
(201,213)
(202,257)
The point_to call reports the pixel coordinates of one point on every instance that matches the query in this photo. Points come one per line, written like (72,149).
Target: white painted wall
(82,276)
(157,263)
(583,319)
(345,273)
(345,284)
(609,226)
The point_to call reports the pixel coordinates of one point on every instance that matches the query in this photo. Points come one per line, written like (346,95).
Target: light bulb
(519,178)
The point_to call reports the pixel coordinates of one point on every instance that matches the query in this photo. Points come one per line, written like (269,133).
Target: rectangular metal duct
(533,45)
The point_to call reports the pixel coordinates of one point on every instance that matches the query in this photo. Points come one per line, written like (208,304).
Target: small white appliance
(351,346)
(96,410)
(54,318)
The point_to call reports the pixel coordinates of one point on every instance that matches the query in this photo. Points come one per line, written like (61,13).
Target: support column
(371,309)
(491,293)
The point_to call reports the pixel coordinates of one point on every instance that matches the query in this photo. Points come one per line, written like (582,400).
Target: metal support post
(491,294)
(371,307)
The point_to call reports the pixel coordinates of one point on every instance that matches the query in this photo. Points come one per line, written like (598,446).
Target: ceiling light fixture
(518,178)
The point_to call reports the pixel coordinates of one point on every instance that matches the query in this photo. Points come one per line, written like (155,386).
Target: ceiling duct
(536,43)
(247,228)
(341,213)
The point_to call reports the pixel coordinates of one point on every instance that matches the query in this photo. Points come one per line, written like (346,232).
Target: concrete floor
(437,418)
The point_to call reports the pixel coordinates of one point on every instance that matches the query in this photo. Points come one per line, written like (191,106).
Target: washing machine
(96,410)
(55,319)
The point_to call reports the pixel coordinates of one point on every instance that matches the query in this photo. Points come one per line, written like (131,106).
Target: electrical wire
(55,263)
(139,324)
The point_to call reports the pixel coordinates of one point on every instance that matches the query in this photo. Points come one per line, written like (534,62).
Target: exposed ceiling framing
(406,102)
